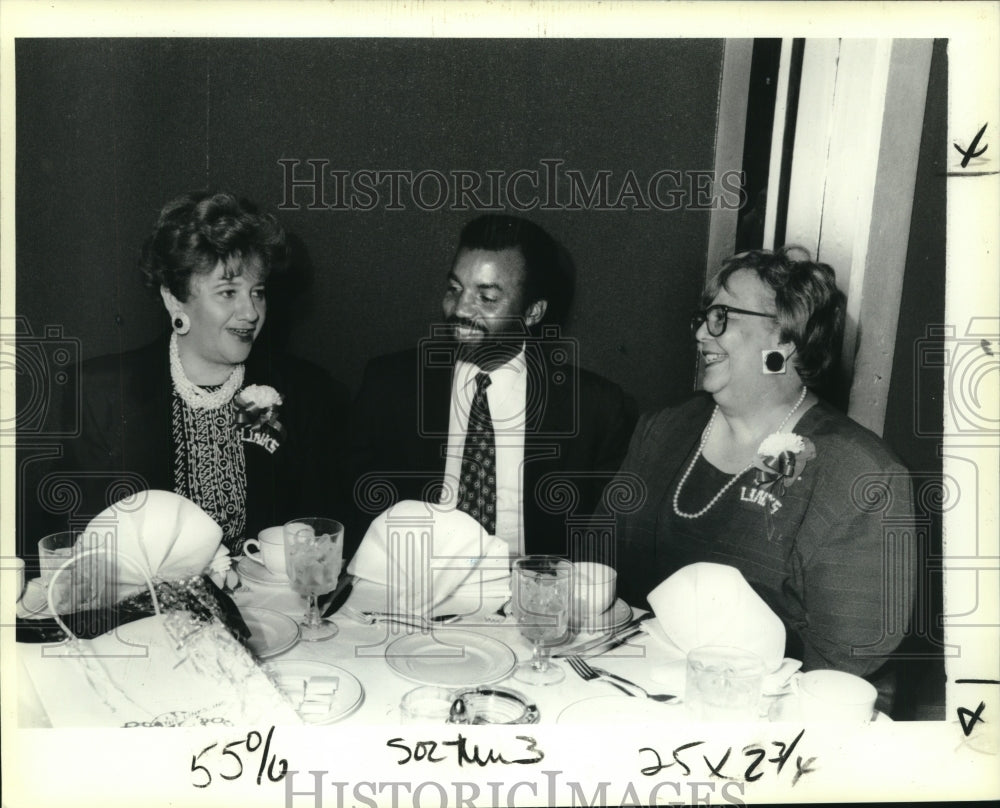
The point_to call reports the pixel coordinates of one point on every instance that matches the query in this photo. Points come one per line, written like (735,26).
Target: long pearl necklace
(194,396)
(735,477)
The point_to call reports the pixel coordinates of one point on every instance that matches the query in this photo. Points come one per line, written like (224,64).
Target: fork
(585,672)
(588,672)
(664,697)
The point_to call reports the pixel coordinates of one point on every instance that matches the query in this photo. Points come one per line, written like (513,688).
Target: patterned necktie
(477,489)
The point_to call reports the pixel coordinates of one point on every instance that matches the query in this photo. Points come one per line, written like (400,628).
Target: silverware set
(589,673)
(402,618)
(619,636)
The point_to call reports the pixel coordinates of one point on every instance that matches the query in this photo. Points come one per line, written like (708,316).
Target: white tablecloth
(359,648)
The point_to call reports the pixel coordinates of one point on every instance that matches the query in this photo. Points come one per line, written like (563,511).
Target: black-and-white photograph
(456,409)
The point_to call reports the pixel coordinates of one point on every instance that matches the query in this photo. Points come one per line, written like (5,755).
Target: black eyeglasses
(717,317)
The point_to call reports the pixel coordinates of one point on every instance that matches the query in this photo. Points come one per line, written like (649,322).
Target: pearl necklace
(735,477)
(198,398)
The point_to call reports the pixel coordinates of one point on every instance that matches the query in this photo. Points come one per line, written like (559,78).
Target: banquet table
(360,649)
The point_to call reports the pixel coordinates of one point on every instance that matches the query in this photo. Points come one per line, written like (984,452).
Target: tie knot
(482,381)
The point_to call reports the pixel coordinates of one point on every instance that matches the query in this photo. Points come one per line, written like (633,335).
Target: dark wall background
(108,130)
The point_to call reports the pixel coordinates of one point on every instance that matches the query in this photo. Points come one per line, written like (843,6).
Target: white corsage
(259,396)
(781,459)
(220,569)
(257,413)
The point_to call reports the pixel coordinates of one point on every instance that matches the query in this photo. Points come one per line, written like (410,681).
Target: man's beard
(493,350)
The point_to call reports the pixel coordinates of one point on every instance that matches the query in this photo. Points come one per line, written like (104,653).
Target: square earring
(772,363)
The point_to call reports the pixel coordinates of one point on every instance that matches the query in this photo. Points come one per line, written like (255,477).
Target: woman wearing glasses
(759,473)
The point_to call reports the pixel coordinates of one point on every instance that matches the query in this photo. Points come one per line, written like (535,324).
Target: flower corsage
(257,413)
(781,459)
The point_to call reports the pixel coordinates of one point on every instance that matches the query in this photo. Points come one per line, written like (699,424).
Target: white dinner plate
(617,615)
(618,710)
(307,685)
(271,632)
(258,573)
(451,658)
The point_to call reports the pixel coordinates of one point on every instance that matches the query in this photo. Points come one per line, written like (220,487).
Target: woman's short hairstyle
(810,307)
(196,231)
(548,268)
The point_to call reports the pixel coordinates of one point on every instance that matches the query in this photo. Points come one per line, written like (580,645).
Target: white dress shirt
(507,397)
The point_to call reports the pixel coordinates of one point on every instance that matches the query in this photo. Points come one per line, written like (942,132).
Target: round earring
(772,362)
(182,323)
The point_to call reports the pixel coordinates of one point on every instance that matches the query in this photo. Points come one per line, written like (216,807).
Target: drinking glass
(427,703)
(53,551)
(723,684)
(540,597)
(314,553)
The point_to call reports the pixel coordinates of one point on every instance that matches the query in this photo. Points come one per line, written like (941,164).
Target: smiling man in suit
(491,413)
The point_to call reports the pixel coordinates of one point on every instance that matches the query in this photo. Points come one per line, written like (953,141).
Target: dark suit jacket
(578,426)
(126,443)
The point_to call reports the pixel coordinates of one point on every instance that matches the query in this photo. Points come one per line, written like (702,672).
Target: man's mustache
(516,328)
(462,321)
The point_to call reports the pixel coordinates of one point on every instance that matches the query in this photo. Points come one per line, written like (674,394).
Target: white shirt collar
(503,376)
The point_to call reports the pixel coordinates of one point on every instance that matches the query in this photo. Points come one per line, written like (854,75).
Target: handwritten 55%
(229,764)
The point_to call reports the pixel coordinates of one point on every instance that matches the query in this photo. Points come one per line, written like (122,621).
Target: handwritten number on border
(969,718)
(253,741)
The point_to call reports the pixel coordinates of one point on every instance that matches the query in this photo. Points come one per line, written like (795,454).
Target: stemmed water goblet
(314,553)
(540,598)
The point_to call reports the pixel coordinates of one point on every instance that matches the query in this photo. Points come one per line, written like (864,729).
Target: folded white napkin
(167,535)
(424,553)
(712,604)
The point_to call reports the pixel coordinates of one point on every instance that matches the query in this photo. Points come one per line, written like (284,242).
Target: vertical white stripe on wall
(730,133)
(854,163)
(777,138)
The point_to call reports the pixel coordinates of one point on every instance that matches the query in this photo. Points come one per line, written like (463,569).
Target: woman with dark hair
(208,410)
(756,472)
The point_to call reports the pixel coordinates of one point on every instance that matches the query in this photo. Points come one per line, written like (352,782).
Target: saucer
(617,615)
(319,692)
(258,573)
(787,708)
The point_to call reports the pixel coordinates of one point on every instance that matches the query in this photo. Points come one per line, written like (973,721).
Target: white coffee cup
(594,587)
(828,696)
(268,549)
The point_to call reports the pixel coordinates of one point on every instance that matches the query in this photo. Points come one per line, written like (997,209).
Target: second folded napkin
(712,604)
(423,554)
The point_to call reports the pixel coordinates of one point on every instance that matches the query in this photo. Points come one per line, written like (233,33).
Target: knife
(586,646)
(339,594)
(599,646)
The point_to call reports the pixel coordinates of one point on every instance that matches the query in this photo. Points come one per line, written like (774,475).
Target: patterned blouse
(210,467)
